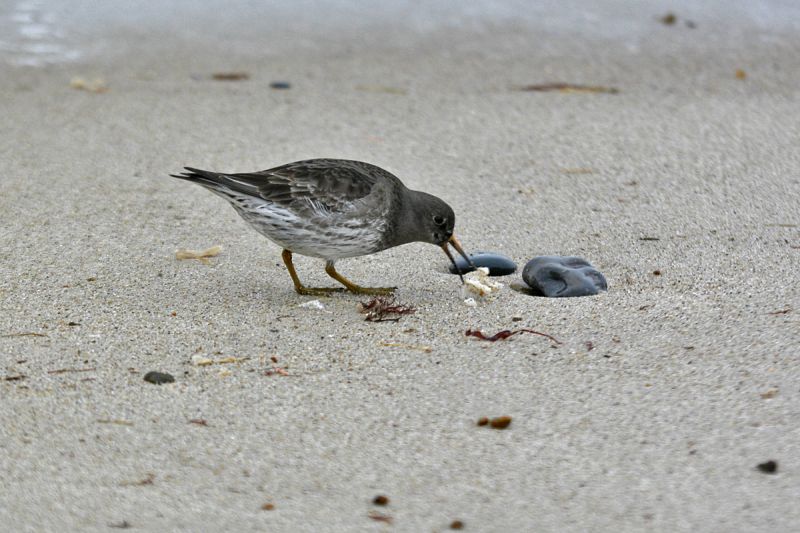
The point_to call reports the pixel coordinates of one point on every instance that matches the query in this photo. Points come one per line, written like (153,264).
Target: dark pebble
(158,378)
(280,85)
(380,500)
(559,276)
(498,265)
(769,467)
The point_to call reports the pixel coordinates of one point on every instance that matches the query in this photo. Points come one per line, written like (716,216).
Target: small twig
(230,76)
(148,480)
(782,311)
(65,370)
(25,334)
(115,421)
(568,88)
(378,517)
(276,370)
(420,347)
(206,361)
(506,333)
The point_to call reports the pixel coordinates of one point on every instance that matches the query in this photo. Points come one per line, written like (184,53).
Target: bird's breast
(331,237)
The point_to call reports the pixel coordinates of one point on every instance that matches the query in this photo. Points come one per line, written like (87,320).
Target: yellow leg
(352,287)
(299,287)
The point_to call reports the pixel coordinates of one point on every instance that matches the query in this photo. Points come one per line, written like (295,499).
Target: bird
(333,209)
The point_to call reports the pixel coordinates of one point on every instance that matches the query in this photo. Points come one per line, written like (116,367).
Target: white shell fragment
(479,283)
(202,255)
(312,304)
(97,85)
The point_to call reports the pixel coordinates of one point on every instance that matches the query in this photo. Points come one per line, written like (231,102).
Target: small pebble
(482,421)
(268,507)
(669,19)
(456,524)
(280,85)
(498,265)
(769,467)
(501,422)
(559,276)
(380,500)
(158,378)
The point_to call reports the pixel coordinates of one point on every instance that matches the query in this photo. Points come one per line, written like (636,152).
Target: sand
(653,413)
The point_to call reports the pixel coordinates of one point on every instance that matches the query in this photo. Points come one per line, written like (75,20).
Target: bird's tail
(240,195)
(213,180)
(218,182)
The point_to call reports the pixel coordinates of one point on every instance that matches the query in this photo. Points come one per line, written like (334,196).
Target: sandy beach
(654,412)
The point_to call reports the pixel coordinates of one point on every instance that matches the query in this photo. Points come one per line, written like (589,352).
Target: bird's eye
(438,220)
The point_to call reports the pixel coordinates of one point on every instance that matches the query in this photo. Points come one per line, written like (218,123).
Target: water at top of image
(41,32)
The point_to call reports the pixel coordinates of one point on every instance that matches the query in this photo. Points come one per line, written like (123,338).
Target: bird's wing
(329,187)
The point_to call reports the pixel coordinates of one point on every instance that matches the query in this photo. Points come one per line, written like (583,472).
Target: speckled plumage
(332,208)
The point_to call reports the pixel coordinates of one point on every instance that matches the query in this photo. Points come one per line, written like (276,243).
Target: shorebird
(332,209)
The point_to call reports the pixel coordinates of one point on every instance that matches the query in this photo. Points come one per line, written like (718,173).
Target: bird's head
(434,222)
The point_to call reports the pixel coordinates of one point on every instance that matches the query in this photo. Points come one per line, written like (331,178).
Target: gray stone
(563,276)
(498,265)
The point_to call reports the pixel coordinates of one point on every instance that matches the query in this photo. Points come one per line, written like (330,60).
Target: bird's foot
(352,287)
(318,291)
(372,291)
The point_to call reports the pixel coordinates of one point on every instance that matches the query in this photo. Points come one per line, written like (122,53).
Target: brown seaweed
(506,333)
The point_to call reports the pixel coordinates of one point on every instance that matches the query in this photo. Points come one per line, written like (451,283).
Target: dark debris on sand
(506,333)
(159,378)
(768,467)
(384,309)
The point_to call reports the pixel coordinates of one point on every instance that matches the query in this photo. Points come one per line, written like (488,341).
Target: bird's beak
(457,245)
